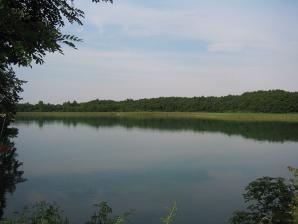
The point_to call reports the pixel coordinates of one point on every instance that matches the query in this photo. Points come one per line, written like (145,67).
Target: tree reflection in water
(10,168)
(269,200)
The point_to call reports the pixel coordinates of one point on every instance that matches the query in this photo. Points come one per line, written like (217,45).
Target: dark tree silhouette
(29,29)
(270,200)
(10,88)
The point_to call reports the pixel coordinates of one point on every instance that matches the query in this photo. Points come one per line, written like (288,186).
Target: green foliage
(270,200)
(45,213)
(169,218)
(29,29)
(10,87)
(40,213)
(294,181)
(273,101)
(103,215)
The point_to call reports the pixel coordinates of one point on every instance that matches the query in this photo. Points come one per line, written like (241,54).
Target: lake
(148,164)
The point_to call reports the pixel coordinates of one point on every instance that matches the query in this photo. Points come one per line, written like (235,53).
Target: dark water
(147,164)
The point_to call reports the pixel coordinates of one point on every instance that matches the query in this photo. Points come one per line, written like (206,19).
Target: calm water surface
(147,164)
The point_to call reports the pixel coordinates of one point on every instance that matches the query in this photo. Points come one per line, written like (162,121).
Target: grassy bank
(194,115)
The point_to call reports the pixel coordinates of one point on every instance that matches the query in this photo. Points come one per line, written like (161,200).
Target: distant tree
(40,106)
(273,101)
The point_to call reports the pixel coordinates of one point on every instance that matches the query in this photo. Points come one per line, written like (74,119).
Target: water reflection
(262,131)
(10,168)
(270,201)
(147,164)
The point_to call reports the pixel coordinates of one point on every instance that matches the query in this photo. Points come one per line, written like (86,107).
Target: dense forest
(271,101)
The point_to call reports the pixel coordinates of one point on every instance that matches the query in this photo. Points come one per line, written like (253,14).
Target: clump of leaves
(169,218)
(294,181)
(103,215)
(10,88)
(45,213)
(30,29)
(270,201)
(41,212)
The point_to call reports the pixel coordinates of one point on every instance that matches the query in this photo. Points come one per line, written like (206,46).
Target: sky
(143,49)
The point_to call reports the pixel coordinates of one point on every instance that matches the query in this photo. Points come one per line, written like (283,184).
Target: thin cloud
(240,49)
(234,29)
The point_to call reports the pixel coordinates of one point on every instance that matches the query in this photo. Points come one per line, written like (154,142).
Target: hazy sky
(141,48)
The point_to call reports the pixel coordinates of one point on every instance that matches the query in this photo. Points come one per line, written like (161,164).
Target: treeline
(271,101)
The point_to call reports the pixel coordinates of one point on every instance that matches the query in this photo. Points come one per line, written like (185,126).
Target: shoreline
(233,116)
